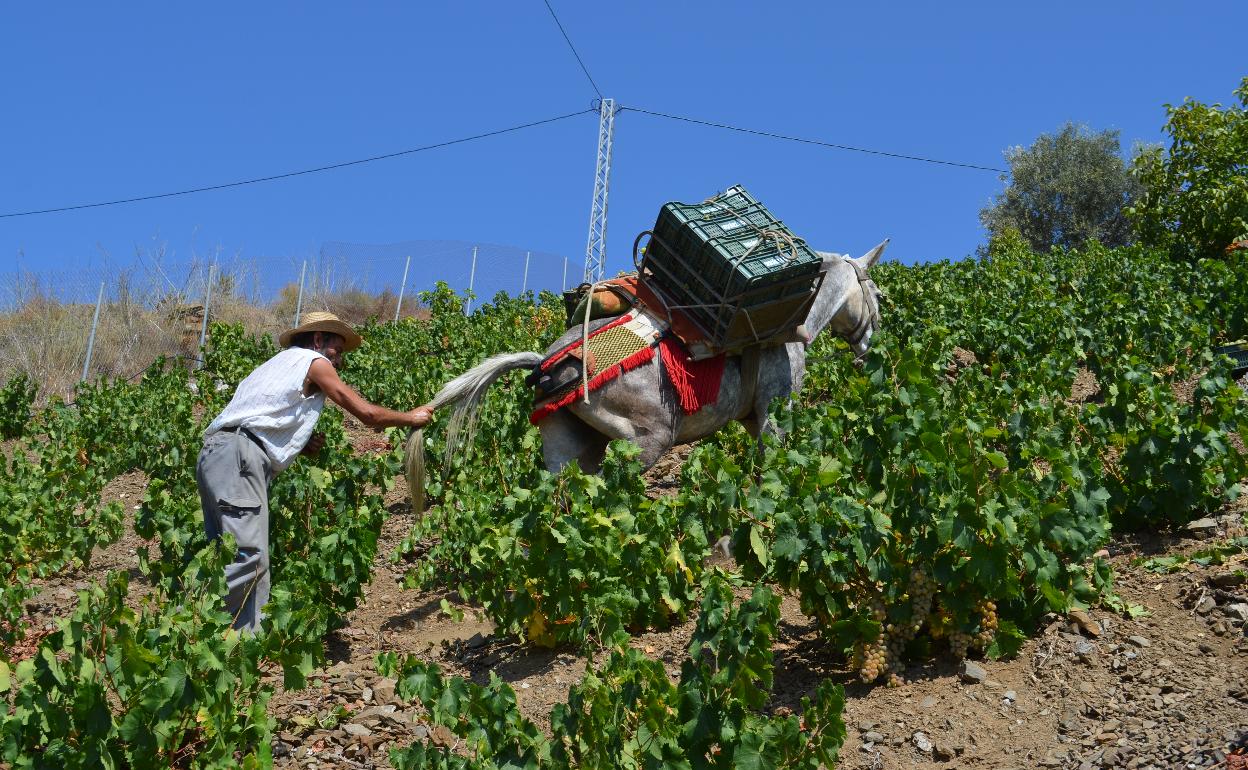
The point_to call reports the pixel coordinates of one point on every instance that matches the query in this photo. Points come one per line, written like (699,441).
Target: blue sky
(105,101)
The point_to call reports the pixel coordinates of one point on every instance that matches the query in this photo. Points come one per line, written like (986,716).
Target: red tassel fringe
(696,382)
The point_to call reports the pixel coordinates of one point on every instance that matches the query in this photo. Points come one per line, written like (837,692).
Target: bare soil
(1164,690)
(58,593)
(1085,387)
(1167,689)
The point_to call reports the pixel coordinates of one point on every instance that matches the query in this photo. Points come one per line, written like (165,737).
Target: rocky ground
(1165,689)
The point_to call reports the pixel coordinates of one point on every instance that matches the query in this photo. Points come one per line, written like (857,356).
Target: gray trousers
(233,474)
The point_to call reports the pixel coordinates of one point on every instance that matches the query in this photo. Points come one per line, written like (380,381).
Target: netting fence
(484,268)
(155,306)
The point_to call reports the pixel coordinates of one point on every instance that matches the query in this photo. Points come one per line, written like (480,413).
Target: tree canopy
(1196,198)
(1066,189)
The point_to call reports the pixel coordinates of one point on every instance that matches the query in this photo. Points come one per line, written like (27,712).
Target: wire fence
(483,268)
(155,306)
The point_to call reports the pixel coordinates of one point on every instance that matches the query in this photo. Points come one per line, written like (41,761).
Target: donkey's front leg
(760,423)
(781,372)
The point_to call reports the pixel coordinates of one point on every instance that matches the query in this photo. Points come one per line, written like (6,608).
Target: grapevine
(912,511)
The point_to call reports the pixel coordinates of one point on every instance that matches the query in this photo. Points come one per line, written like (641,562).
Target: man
(268,423)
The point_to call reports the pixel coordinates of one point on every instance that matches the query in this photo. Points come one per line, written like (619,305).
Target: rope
(589,306)
(777,236)
(763,233)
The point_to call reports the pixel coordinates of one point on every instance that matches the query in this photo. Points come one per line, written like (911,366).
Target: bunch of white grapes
(886,653)
(871,660)
(960,642)
(987,624)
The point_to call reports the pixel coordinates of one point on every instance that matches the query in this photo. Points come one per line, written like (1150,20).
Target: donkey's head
(849,301)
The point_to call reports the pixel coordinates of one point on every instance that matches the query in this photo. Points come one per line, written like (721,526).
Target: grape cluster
(887,652)
(922,594)
(871,660)
(987,625)
(961,641)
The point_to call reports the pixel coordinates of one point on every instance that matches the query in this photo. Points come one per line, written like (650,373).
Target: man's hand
(313,447)
(421,416)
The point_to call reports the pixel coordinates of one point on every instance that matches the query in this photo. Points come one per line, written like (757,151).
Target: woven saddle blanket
(620,345)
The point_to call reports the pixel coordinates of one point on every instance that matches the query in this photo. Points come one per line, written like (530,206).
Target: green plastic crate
(759,315)
(1238,351)
(722,262)
(727,241)
(728,268)
(718,232)
(688,227)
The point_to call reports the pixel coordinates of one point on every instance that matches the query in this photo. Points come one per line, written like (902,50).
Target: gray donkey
(641,406)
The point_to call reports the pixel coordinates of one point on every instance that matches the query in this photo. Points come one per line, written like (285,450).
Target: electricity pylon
(596,248)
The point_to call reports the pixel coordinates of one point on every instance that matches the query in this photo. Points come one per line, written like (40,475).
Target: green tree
(1196,198)
(1064,190)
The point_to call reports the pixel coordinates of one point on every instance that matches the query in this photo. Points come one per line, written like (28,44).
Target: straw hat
(323,322)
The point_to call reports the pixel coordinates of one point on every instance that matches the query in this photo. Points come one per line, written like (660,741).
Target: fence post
(525,286)
(203,326)
(565,274)
(402,288)
(472,277)
(91,340)
(299,302)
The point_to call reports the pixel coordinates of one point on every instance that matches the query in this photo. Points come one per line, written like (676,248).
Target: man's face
(331,346)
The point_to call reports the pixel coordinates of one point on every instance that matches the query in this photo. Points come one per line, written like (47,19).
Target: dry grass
(47,339)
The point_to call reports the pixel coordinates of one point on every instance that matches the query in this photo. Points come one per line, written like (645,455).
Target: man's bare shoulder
(321,376)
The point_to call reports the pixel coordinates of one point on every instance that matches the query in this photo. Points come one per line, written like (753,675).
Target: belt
(245,432)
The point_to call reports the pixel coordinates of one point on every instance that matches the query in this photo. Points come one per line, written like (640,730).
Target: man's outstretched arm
(324,376)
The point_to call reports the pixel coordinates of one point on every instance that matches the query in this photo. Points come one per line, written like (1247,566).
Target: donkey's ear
(868,260)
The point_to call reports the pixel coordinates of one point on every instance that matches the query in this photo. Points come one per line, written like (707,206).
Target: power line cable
(818,142)
(302,172)
(574,53)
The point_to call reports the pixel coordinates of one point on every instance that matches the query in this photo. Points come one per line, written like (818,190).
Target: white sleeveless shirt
(270,403)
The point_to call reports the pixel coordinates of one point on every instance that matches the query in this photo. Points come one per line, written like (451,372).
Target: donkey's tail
(465,394)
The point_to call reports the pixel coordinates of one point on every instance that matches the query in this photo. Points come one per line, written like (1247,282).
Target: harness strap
(751,362)
(870,318)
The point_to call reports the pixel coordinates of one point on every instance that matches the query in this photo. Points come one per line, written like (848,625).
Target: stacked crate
(738,272)
(1238,351)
